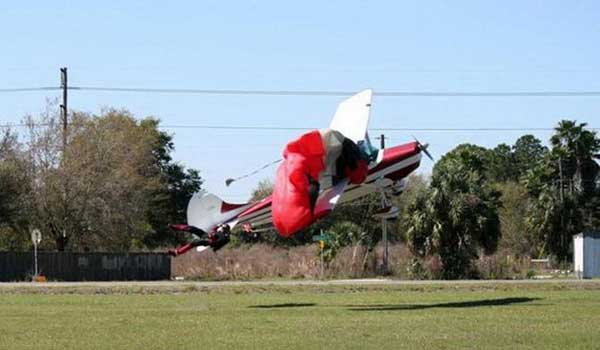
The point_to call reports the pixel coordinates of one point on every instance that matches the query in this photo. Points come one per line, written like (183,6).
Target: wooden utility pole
(384,236)
(64,114)
(63,106)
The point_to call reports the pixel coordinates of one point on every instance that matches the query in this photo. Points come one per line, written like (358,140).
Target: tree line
(113,187)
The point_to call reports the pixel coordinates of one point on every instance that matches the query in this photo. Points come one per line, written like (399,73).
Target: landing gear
(388,211)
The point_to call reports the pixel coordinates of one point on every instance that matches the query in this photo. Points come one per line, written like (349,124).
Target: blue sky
(335,45)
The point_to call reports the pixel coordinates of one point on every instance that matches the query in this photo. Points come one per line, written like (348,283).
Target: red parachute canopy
(291,207)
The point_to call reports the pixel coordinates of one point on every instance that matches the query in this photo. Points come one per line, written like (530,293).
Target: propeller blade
(427,154)
(423,147)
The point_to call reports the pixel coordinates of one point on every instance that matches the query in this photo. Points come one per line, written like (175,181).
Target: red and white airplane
(387,170)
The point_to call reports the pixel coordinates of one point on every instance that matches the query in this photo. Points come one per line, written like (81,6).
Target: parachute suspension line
(231,180)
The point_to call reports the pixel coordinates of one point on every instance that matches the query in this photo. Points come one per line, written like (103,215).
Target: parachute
(319,156)
(291,200)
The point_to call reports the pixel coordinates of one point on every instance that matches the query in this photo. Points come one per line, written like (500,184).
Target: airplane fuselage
(391,166)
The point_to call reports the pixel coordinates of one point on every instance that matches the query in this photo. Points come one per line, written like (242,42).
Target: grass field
(491,316)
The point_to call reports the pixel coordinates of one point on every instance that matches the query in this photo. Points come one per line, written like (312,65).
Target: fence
(66,266)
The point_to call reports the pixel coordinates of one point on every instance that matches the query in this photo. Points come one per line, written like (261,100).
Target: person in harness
(317,159)
(215,239)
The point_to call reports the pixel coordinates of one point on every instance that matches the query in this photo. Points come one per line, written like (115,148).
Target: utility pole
(63,106)
(64,114)
(384,237)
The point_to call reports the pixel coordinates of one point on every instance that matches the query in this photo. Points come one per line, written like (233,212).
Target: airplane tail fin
(205,211)
(352,116)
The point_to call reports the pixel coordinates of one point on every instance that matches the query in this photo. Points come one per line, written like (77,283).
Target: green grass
(395,317)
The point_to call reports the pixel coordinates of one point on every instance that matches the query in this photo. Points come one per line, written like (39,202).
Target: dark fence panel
(66,266)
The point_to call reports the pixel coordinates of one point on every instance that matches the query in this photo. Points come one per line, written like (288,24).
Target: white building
(586,254)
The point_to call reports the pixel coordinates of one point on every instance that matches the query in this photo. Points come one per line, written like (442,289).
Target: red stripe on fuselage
(258,206)
(225,207)
(396,154)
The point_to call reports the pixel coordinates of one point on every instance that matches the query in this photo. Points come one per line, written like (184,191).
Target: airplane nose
(423,147)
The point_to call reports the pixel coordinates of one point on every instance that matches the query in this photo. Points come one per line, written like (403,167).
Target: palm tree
(574,147)
(457,217)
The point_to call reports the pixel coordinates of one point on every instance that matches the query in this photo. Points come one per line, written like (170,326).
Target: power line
(282,128)
(315,92)
(276,128)
(236,127)
(341,93)
(25,89)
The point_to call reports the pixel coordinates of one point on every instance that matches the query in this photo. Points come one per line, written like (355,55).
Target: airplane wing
(260,213)
(352,116)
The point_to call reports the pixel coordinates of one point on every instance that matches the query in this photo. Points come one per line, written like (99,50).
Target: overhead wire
(314,92)
(25,89)
(342,93)
(318,93)
(287,128)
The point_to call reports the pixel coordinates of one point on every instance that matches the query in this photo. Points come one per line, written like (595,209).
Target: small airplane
(210,219)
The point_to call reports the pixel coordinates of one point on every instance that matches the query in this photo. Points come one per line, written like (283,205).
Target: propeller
(423,147)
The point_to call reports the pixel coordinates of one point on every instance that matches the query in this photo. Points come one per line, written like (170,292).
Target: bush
(243,261)
(504,266)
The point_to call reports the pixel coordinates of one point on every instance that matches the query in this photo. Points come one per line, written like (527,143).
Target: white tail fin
(205,211)
(352,116)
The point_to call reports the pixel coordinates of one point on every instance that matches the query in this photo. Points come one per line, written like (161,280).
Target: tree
(508,163)
(554,221)
(13,190)
(508,166)
(458,215)
(262,190)
(416,184)
(516,238)
(565,197)
(528,152)
(574,147)
(111,181)
(502,164)
(114,187)
(418,219)
(46,201)
(170,200)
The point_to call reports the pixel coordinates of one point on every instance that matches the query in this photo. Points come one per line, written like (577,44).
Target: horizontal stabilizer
(205,211)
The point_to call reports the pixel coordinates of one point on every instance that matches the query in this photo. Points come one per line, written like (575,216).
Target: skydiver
(216,239)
